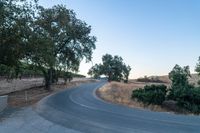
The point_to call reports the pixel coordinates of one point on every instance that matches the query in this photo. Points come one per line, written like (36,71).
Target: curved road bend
(81,110)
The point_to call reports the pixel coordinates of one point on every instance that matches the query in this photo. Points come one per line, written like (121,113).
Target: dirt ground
(34,94)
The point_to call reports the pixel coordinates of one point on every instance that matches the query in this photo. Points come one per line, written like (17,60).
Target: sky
(150,35)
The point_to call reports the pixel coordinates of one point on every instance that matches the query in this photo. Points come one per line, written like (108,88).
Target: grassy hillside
(193,79)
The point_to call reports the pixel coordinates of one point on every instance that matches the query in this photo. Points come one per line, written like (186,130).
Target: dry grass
(120,93)
(193,79)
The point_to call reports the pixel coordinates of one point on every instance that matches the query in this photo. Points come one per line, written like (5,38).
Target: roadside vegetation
(121,93)
(112,67)
(35,40)
(153,94)
(184,94)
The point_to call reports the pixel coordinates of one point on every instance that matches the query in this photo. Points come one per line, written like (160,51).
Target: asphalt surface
(81,110)
(26,120)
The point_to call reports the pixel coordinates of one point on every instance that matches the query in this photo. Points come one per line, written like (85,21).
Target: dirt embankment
(31,92)
(120,93)
(8,86)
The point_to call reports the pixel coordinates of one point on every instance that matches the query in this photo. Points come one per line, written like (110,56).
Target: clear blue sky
(150,35)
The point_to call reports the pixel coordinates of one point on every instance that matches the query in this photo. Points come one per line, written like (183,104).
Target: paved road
(26,120)
(79,109)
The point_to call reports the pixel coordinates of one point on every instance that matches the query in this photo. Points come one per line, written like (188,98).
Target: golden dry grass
(193,79)
(120,93)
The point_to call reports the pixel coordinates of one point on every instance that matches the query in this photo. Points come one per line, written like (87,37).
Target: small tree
(126,72)
(95,71)
(179,77)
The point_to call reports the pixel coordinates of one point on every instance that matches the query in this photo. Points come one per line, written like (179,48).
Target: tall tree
(15,20)
(48,38)
(63,41)
(113,67)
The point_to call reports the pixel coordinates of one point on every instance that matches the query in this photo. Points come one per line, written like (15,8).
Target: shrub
(154,94)
(190,100)
(198,82)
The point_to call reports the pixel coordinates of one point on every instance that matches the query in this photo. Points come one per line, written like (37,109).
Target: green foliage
(112,67)
(95,71)
(154,94)
(190,100)
(68,76)
(187,96)
(197,69)
(198,82)
(22,70)
(67,40)
(51,39)
(15,20)
(179,77)
(7,72)
(126,72)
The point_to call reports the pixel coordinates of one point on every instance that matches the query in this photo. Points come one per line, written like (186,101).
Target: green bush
(176,91)
(154,94)
(187,97)
(190,100)
(198,82)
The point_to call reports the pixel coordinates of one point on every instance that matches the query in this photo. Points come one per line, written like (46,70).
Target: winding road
(81,110)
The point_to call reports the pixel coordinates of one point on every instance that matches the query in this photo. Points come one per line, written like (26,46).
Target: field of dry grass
(193,79)
(120,93)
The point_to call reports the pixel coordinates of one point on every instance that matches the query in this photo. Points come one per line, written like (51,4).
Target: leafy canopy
(51,39)
(113,67)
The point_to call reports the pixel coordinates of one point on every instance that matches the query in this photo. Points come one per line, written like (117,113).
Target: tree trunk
(47,78)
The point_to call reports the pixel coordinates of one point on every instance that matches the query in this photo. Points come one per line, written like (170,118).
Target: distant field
(193,79)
